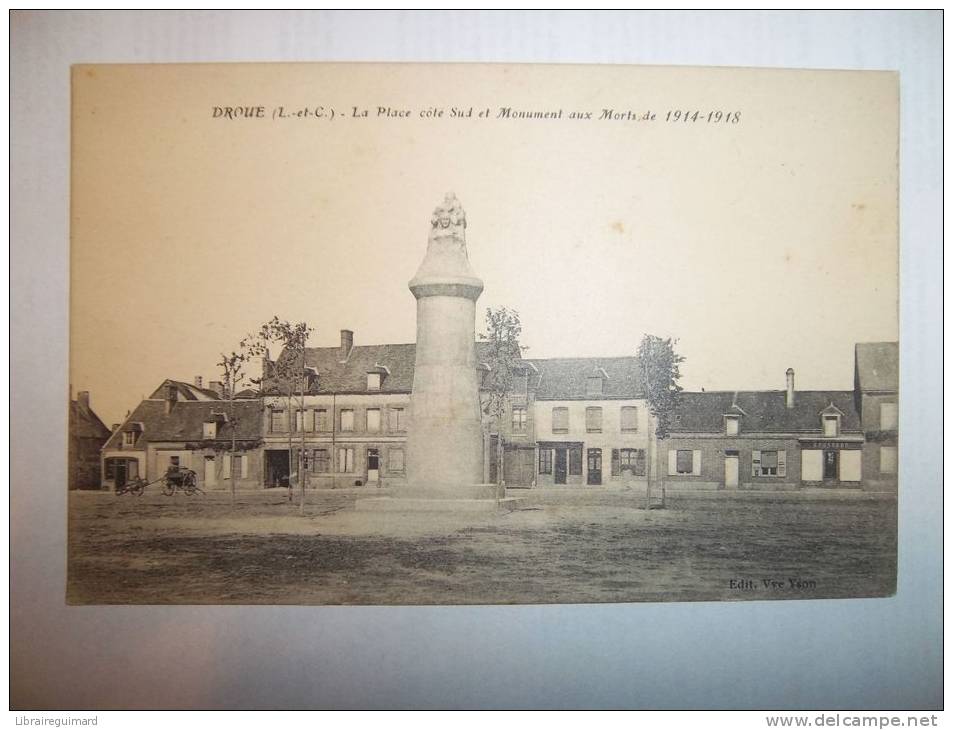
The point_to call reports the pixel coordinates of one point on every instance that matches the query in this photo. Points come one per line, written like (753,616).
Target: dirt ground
(558,547)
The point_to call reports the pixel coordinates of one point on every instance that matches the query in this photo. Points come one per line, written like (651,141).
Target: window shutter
(755,463)
(616,466)
(782,463)
(672,464)
(244,460)
(850,465)
(227,466)
(696,462)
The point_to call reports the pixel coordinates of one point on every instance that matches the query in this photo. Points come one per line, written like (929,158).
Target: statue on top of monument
(449,220)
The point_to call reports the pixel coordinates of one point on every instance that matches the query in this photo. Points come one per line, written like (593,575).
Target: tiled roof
(565,378)
(762,411)
(350,376)
(84,423)
(185,419)
(187,391)
(877,365)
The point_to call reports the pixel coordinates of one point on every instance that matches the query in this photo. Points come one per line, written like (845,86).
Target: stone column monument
(445,439)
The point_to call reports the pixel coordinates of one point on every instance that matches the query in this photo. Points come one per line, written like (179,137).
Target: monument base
(450,491)
(457,506)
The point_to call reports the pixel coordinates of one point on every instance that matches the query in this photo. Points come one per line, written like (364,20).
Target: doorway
(830,464)
(731,471)
(373,466)
(559,467)
(594,459)
(121,475)
(277,470)
(209,475)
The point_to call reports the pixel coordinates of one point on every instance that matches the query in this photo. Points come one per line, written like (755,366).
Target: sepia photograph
(421,334)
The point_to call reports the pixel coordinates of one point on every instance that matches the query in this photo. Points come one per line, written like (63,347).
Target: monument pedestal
(455,506)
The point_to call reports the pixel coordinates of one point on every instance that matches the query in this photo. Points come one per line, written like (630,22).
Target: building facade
(87,435)
(876,389)
(591,422)
(186,426)
(573,422)
(789,439)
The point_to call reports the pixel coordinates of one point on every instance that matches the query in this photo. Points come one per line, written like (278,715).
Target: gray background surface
(859,654)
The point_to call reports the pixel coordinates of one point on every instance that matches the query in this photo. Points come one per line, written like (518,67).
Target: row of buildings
(578,422)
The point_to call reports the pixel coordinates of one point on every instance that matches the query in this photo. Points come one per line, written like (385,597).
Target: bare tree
(503,331)
(288,377)
(659,370)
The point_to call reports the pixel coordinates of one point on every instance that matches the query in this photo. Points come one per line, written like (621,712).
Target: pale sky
(761,245)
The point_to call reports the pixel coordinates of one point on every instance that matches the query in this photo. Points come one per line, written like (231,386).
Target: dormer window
(594,385)
(732,424)
(376,375)
(831,425)
(210,430)
(131,435)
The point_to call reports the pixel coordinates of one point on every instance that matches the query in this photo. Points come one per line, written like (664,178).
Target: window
(395,459)
(519,418)
(593,419)
(888,416)
(768,463)
(174,461)
(305,460)
(373,420)
(545,461)
(345,460)
(347,419)
(299,420)
(630,418)
(227,466)
(321,421)
(397,419)
(319,461)
(594,385)
(684,462)
(373,381)
(575,461)
(731,425)
(560,421)
(633,460)
(209,430)
(278,422)
(129,438)
(830,425)
(888,459)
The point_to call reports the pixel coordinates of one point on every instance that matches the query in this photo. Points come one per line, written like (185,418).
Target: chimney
(347,342)
(219,387)
(198,381)
(171,396)
(83,398)
(789,397)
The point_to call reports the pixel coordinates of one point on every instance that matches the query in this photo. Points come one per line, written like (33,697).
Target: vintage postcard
(482,334)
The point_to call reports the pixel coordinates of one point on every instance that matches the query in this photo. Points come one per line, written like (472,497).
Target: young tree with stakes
(503,330)
(288,376)
(232,368)
(659,370)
